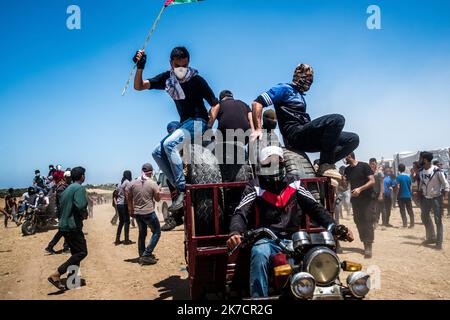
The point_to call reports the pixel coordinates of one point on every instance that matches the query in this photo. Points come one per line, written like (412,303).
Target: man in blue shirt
(389,184)
(322,135)
(404,196)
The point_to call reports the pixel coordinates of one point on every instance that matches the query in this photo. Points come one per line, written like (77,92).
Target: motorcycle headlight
(323,264)
(303,285)
(359,284)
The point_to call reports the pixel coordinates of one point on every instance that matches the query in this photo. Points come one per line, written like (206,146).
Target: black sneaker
(147,260)
(429,241)
(177,204)
(50,250)
(438,246)
(169,225)
(117,242)
(128,242)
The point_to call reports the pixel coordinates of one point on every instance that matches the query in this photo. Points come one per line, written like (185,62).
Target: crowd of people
(281,197)
(374,189)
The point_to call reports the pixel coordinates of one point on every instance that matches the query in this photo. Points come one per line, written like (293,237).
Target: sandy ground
(406,269)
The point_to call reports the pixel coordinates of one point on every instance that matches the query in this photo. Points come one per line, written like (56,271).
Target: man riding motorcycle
(282,201)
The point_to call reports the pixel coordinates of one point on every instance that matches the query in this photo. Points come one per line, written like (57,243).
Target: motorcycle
(309,268)
(36,217)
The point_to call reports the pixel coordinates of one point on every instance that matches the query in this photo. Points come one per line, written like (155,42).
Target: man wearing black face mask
(281,200)
(322,135)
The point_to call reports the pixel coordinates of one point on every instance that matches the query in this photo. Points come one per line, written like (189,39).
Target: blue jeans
(167,152)
(426,206)
(151,221)
(262,250)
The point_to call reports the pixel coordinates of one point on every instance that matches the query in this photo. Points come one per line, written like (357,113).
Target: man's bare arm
(157,195)
(369,183)
(257,115)
(139,83)
(250,121)
(213,112)
(129,198)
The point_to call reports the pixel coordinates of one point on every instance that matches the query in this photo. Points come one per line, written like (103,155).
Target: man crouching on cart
(281,200)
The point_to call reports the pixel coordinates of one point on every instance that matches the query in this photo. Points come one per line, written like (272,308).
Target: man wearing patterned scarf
(322,135)
(188,90)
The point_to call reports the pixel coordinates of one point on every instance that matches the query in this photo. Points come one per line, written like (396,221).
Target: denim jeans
(405,204)
(387,209)
(426,206)
(262,250)
(151,221)
(167,152)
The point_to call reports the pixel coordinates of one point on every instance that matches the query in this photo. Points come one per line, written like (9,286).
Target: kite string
(143,48)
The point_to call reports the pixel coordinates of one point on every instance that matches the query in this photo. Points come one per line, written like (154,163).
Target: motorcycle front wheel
(28,228)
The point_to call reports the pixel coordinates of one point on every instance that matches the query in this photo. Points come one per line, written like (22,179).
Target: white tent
(408,158)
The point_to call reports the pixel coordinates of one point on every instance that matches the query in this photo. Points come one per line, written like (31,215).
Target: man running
(74,211)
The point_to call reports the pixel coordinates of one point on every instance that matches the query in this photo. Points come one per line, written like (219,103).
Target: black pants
(363,217)
(78,249)
(324,135)
(405,204)
(124,222)
(387,210)
(378,211)
(56,239)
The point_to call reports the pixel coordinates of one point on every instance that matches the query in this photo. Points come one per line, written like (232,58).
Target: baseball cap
(267,152)
(147,167)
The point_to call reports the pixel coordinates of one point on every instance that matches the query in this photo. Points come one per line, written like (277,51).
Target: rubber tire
(204,169)
(298,164)
(28,228)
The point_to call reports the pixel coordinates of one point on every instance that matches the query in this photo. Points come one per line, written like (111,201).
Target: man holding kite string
(188,90)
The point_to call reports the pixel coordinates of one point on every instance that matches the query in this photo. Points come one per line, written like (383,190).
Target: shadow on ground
(173,287)
(355,250)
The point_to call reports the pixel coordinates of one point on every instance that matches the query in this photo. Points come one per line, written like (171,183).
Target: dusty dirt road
(407,269)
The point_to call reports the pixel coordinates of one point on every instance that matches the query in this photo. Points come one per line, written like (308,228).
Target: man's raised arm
(140,58)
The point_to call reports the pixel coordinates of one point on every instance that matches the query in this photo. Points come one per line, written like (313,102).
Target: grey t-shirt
(143,193)
(378,181)
(121,189)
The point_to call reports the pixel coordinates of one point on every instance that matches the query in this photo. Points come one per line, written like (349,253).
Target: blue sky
(60,89)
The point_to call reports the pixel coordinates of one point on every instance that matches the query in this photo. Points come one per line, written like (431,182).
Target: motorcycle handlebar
(250,236)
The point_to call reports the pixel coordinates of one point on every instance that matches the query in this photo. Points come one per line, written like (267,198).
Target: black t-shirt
(359,176)
(195,91)
(233,114)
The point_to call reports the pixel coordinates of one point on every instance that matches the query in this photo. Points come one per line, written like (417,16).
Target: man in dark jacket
(62,185)
(281,200)
(73,204)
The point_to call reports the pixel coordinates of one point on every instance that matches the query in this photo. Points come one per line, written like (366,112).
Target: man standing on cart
(188,90)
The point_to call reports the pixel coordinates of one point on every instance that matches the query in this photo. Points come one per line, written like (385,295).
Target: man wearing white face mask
(188,90)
